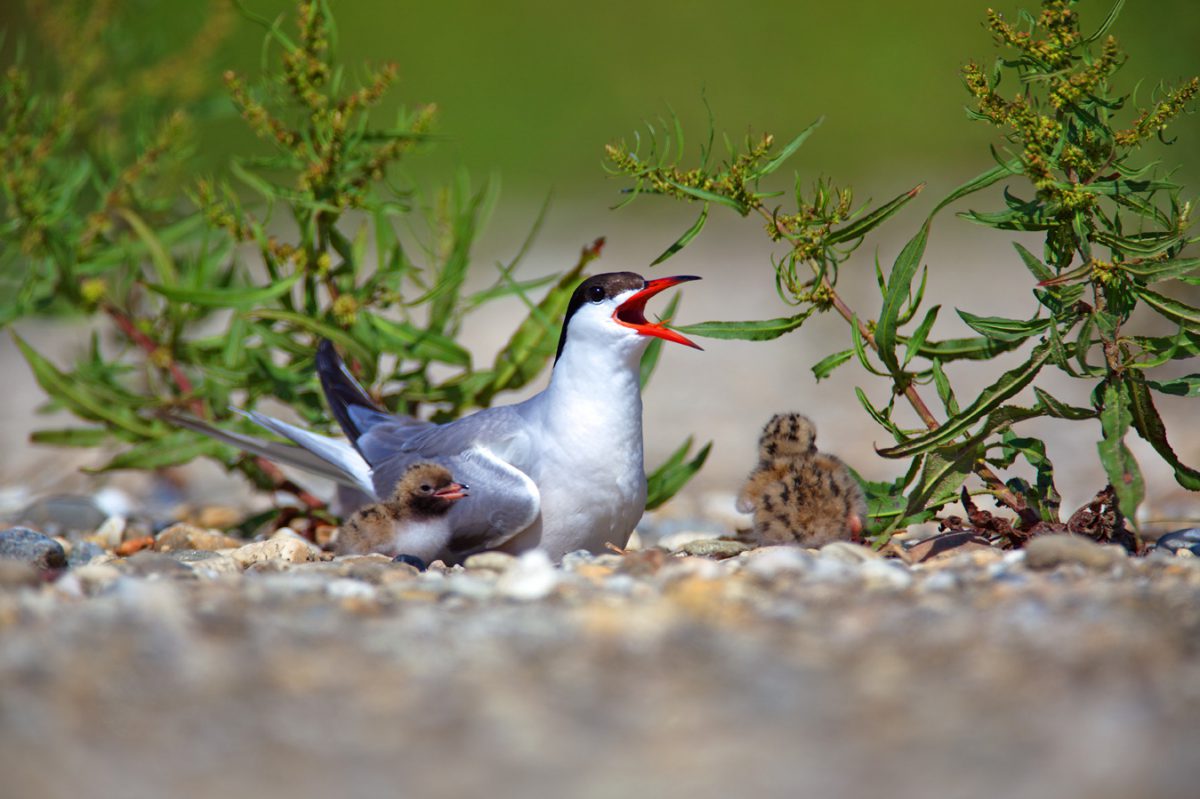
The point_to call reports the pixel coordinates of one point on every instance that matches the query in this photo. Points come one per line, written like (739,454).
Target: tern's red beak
(452,491)
(632,312)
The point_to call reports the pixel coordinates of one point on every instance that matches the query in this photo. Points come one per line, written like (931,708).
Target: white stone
(532,577)
(885,574)
(346,588)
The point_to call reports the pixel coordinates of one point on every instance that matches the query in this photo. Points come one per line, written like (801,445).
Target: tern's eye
(426,488)
(595,294)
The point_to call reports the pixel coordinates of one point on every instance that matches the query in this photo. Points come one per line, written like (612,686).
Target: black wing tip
(340,388)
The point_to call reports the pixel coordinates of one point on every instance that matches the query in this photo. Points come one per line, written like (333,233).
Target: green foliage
(224,301)
(1112,228)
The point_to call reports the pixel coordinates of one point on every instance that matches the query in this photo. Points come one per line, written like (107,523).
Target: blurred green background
(533,89)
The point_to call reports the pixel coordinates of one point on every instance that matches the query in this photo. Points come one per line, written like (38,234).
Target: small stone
(63,513)
(95,578)
(768,562)
(186,536)
(153,564)
(211,565)
(131,545)
(18,574)
(30,546)
(498,562)
(84,552)
(677,541)
(845,552)
(346,588)
(286,549)
(1048,551)
(879,573)
(218,516)
(111,533)
(716,548)
(940,581)
(532,577)
(1179,541)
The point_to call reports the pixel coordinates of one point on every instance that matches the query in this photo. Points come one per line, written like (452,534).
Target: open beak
(452,491)
(632,312)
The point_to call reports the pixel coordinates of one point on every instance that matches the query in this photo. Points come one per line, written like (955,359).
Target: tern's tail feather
(327,457)
(350,404)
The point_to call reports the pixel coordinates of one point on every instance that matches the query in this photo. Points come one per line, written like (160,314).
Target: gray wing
(479,450)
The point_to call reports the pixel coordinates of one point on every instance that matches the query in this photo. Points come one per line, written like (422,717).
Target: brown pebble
(126,548)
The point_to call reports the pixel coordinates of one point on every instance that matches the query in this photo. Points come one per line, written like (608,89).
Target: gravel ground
(695,668)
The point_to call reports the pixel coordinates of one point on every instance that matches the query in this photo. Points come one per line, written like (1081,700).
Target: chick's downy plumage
(797,494)
(412,521)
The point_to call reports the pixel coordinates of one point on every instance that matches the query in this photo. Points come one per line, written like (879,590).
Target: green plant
(343,249)
(1111,228)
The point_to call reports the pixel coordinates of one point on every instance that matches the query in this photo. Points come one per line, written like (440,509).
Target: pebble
(532,577)
(347,588)
(30,546)
(110,534)
(716,548)
(95,578)
(18,574)
(846,552)
(497,561)
(187,536)
(153,564)
(1049,551)
(83,552)
(213,565)
(63,513)
(940,581)
(1179,541)
(286,549)
(769,562)
(885,574)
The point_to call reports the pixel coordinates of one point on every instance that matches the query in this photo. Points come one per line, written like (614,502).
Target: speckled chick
(797,494)
(412,521)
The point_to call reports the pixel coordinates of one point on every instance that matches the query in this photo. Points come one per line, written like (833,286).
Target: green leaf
(317,327)
(534,341)
(960,349)
(710,197)
(860,227)
(167,273)
(72,437)
(1009,384)
(1113,13)
(944,390)
(787,152)
(1119,463)
(683,240)
(1044,497)
(81,398)
(1153,271)
(1174,310)
(899,286)
(247,297)
(1038,269)
(826,365)
(1150,426)
(409,340)
(1059,409)
(942,476)
(756,330)
(665,481)
(1187,386)
(171,449)
(1002,329)
(914,343)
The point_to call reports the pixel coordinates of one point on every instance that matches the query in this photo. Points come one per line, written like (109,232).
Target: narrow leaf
(665,481)
(1149,426)
(1002,329)
(1038,269)
(757,330)
(787,152)
(247,297)
(1009,384)
(860,227)
(826,365)
(687,236)
(1174,310)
